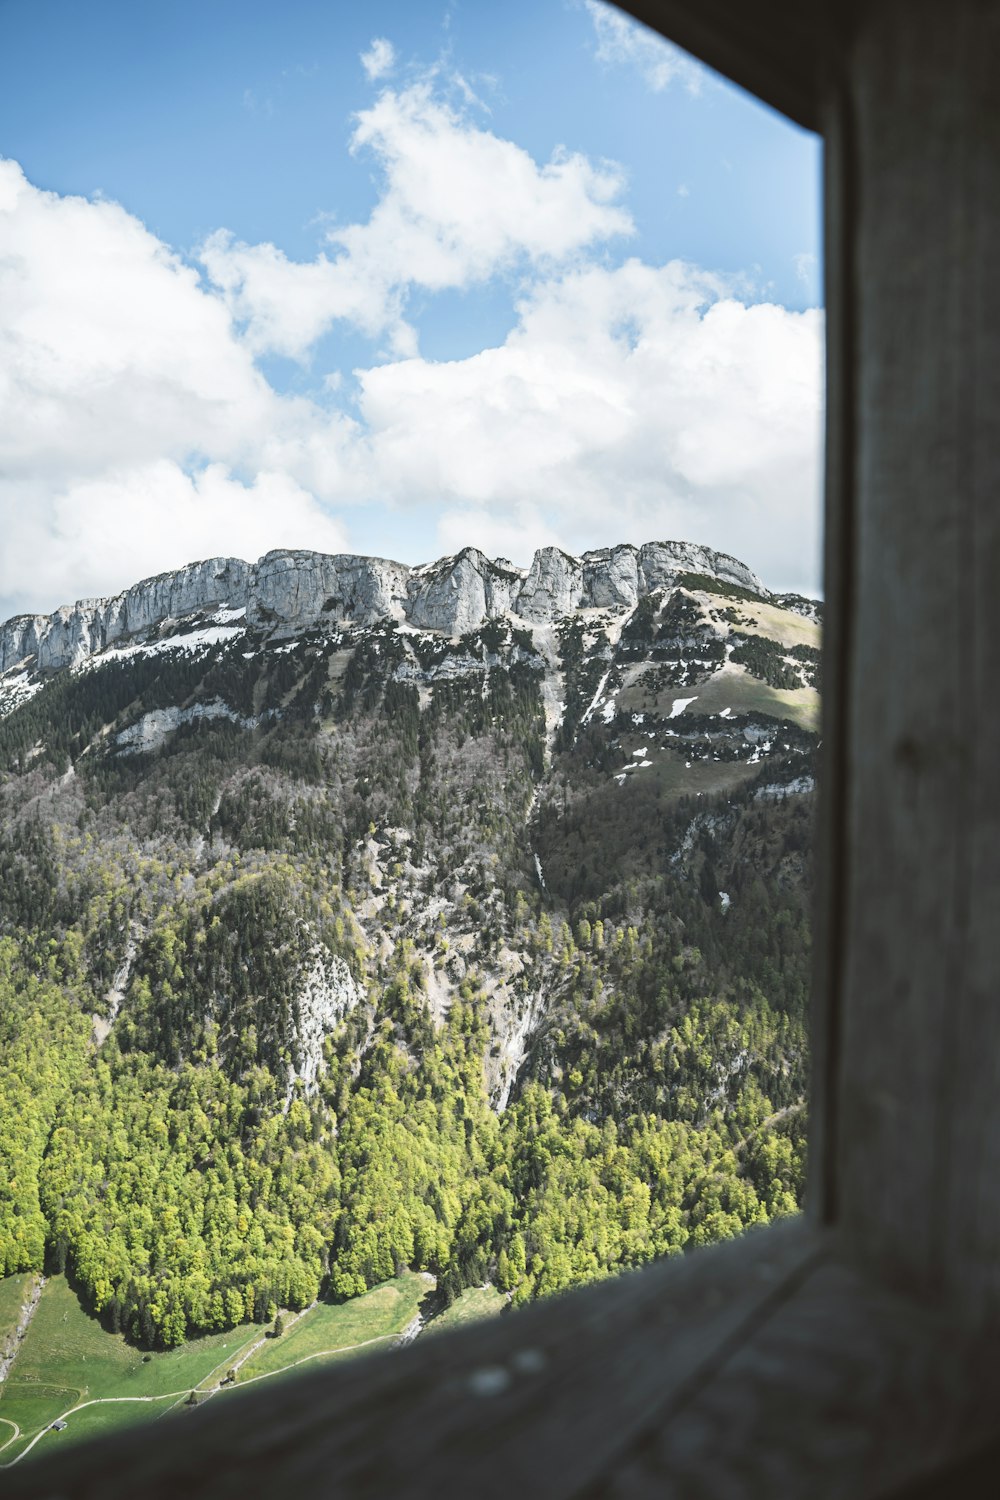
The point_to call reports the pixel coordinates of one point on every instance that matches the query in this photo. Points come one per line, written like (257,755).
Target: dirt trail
(10,1351)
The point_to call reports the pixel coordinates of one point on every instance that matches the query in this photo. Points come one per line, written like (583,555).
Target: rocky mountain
(355,915)
(296,589)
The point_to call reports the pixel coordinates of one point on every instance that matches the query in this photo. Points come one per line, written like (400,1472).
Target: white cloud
(109,351)
(284,305)
(118,373)
(137,431)
(127,524)
(458,205)
(627,404)
(515,532)
(380,58)
(624,42)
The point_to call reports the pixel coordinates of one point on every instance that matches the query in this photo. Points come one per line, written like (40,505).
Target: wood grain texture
(765,1368)
(832,850)
(918,1145)
(844,1392)
(525,1405)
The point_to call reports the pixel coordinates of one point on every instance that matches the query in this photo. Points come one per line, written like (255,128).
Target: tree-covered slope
(337,948)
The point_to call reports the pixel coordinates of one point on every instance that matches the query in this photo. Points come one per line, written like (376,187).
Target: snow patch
(680,704)
(596,698)
(193,641)
(16,688)
(777,791)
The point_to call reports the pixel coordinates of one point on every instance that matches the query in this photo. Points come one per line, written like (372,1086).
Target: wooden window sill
(765,1367)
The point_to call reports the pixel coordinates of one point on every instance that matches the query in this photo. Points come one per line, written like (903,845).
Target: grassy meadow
(475,1303)
(329,1329)
(70,1367)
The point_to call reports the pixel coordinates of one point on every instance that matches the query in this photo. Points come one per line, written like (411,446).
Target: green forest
(286,1006)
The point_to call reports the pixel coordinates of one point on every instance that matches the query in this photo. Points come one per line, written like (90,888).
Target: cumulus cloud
(514,532)
(457,206)
(380,58)
(130,523)
(620,41)
(108,349)
(627,404)
(119,379)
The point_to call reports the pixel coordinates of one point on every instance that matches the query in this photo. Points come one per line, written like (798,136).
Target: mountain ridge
(296,588)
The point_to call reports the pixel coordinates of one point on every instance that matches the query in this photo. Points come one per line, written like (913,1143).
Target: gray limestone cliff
(305,588)
(291,590)
(74,632)
(459,593)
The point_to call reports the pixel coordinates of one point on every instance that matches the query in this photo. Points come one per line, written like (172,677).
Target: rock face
(660,563)
(553,587)
(71,634)
(458,593)
(149,732)
(292,590)
(327,992)
(304,588)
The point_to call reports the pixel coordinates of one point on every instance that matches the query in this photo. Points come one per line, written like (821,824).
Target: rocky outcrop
(611,578)
(459,593)
(299,589)
(327,992)
(553,587)
(661,562)
(288,591)
(149,732)
(71,634)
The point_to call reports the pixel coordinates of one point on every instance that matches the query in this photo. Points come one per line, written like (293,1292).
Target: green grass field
(732,687)
(328,1329)
(67,1359)
(783,624)
(476,1302)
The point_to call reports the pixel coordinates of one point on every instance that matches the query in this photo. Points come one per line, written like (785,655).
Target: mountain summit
(294,589)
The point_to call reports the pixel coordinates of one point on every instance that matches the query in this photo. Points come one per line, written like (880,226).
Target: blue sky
(525,275)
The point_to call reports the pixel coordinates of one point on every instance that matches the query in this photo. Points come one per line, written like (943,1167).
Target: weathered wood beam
(759,1368)
(551,1390)
(776,49)
(917,1094)
(832,851)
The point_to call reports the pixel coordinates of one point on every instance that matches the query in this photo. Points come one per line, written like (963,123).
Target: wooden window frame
(849,1352)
